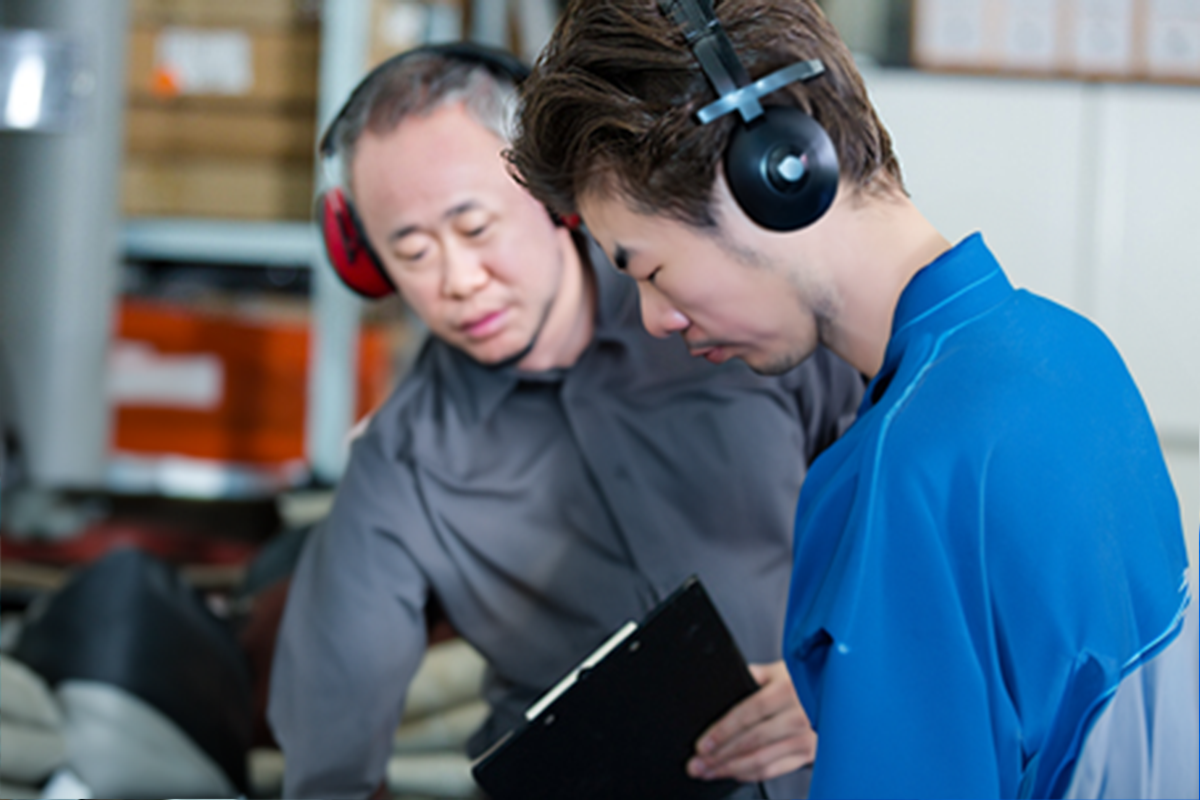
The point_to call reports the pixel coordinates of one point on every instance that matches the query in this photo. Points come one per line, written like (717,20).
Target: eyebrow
(461,208)
(621,258)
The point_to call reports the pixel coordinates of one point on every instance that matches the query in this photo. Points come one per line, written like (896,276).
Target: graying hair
(420,85)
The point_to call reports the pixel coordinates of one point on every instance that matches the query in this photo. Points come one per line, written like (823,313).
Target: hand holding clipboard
(625,722)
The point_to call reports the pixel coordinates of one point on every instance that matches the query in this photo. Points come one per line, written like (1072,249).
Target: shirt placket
(589,413)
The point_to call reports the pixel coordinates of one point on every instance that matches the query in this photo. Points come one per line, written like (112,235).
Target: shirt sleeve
(892,651)
(828,391)
(900,697)
(352,635)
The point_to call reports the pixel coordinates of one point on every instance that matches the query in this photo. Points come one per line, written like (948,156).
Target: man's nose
(463,271)
(659,317)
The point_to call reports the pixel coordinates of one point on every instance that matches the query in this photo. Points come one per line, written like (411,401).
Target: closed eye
(472,222)
(413,249)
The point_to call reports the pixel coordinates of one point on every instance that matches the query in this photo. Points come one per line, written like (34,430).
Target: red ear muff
(349,251)
(569,221)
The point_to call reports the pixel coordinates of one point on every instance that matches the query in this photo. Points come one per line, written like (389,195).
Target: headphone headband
(720,64)
(745,99)
(708,43)
(780,164)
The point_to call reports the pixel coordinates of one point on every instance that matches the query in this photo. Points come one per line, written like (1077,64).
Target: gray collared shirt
(543,511)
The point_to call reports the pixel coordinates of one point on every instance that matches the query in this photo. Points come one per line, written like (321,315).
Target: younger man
(990,564)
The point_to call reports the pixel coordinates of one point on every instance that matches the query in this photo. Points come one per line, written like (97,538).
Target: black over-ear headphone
(350,253)
(780,163)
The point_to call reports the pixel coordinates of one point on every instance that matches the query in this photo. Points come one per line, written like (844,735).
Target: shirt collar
(961,283)
(616,299)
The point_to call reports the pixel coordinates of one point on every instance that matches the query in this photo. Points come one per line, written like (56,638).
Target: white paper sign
(1030,33)
(138,375)
(1104,36)
(1173,38)
(403,25)
(201,61)
(950,32)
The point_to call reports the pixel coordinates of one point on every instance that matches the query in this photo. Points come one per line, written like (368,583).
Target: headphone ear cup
(349,251)
(782,169)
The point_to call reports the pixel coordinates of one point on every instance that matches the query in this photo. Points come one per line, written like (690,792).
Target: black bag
(131,621)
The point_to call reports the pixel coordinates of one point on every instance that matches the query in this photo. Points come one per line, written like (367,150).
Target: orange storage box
(248,377)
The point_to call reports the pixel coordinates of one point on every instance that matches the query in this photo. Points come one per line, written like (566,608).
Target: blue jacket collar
(960,284)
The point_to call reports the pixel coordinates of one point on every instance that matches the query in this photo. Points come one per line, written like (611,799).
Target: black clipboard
(625,723)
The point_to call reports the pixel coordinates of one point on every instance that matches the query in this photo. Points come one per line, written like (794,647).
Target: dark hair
(611,105)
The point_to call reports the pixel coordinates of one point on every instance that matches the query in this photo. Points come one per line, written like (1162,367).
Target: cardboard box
(1068,38)
(400,25)
(1119,40)
(195,129)
(206,385)
(952,34)
(232,188)
(235,13)
(236,66)
(1104,38)
(1172,40)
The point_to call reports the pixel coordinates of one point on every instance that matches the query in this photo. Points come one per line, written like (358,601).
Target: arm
(765,736)
(352,635)
(890,637)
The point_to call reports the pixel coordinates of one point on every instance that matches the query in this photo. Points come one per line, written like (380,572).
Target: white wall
(1088,194)
(1184,464)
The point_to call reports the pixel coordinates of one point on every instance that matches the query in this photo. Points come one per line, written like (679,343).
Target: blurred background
(179,368)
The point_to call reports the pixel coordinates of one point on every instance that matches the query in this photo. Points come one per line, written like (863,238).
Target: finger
(769,702)
(778,759)
(790,724)
(774,696)
(763,673)
(750,712)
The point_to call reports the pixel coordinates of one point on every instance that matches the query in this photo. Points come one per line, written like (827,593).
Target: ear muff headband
(351,255)
(498,62)
(780,163)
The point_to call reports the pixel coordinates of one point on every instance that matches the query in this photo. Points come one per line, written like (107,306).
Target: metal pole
(59,250)
(345,37)
(489,22)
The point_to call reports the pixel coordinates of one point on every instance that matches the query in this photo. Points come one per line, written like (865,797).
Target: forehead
(441,138)
(427,155)
(616,222)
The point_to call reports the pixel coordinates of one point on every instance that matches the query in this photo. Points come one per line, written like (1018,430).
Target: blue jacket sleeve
(891,651)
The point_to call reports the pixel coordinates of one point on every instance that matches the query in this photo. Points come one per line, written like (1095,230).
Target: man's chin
(499,357)
(772,364)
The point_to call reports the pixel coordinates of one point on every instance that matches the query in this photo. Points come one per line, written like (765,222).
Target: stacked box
(1144,40)
(400,25)
(221,115)
(236,13)
(213,384)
